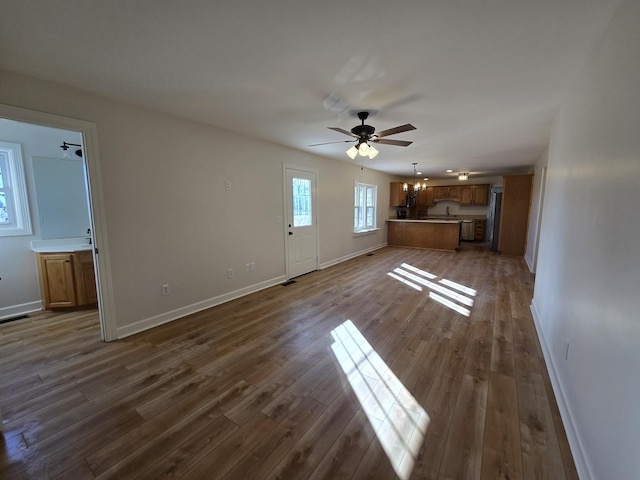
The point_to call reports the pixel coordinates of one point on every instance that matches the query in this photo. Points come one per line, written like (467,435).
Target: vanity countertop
(62,245)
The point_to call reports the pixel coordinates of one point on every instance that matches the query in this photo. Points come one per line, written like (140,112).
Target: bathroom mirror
(61,196)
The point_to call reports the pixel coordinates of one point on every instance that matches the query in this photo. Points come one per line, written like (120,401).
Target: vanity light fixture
(65,147)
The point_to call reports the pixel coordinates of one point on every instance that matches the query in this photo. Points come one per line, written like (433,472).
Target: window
(14,205)
(364,218)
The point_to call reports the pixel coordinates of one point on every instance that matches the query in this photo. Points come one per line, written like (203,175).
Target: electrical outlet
(230,273)
(165,290)
(227,184)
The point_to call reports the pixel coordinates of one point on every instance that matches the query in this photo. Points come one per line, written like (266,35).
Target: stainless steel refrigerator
(493,222)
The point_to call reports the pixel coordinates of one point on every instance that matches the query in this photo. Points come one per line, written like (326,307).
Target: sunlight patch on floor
(399,421)
(459,296)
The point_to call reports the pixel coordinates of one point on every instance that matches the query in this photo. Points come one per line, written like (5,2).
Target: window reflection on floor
(399,421)
(459,296)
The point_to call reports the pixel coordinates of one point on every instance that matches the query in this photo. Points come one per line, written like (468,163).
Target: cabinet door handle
(67,261)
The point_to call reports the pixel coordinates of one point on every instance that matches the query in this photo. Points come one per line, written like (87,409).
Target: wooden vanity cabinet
(67,279)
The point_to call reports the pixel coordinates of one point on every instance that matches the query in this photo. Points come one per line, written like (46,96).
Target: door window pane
(302,214)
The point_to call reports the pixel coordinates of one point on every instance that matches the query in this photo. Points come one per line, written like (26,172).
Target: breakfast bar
(436,234)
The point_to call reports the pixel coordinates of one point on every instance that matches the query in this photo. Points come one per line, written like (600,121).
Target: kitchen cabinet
(426,197)
(398,197)
(514,216)
(67,279)
(439,235)
(480,225)
(447,192)
(474,194)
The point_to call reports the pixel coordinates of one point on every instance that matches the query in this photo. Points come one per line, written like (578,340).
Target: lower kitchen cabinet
(480,226)
(67,279)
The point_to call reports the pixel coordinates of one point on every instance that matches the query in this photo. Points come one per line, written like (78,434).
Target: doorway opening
(86,131)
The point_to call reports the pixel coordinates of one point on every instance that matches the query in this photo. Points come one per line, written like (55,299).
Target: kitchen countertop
(428,220)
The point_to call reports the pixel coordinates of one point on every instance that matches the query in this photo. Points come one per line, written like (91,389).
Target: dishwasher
(467,231)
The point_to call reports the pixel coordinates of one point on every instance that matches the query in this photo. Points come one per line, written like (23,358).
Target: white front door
(301,221)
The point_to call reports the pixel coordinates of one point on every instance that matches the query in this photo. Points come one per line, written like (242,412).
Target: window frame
(15,188)
(360,224)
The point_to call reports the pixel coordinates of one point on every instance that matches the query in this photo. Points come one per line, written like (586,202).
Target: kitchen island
(438,234)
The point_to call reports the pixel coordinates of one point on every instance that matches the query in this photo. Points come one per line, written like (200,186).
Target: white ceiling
(480,79)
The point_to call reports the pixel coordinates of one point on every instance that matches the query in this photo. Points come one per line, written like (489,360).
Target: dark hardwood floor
(432,372)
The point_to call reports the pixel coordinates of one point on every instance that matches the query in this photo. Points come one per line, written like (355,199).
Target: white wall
(19,288)
(588,275)
(169,218)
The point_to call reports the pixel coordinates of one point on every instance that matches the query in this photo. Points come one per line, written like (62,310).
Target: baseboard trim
(172,315)
(167,317)
(577,448)
(350,256)
(22,309)
(529,263)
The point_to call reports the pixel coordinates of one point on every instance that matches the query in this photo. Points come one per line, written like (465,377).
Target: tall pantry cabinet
(514,218)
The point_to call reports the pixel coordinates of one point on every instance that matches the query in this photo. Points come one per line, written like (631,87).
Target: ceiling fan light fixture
(352,152)
(373,152)
(364,149)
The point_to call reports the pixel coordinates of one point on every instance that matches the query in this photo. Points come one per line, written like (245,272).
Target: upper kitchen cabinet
(450,192)
(426,197)
(398,197)
(474,194)
(514,217)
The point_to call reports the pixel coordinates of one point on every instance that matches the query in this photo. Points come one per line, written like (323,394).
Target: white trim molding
(22,309)
(182,312)
(577,448)
(350,256)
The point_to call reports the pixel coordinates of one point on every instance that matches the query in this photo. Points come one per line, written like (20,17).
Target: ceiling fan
(364,134)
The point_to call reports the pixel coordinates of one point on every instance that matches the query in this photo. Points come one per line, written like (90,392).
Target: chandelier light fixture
(416,185)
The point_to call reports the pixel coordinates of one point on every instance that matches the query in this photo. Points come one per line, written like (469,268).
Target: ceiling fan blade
(329,143)
(342,130)
(392,131)
(398,143)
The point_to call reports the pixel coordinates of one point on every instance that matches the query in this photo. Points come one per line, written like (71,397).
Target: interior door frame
(106,310)
(285,228)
